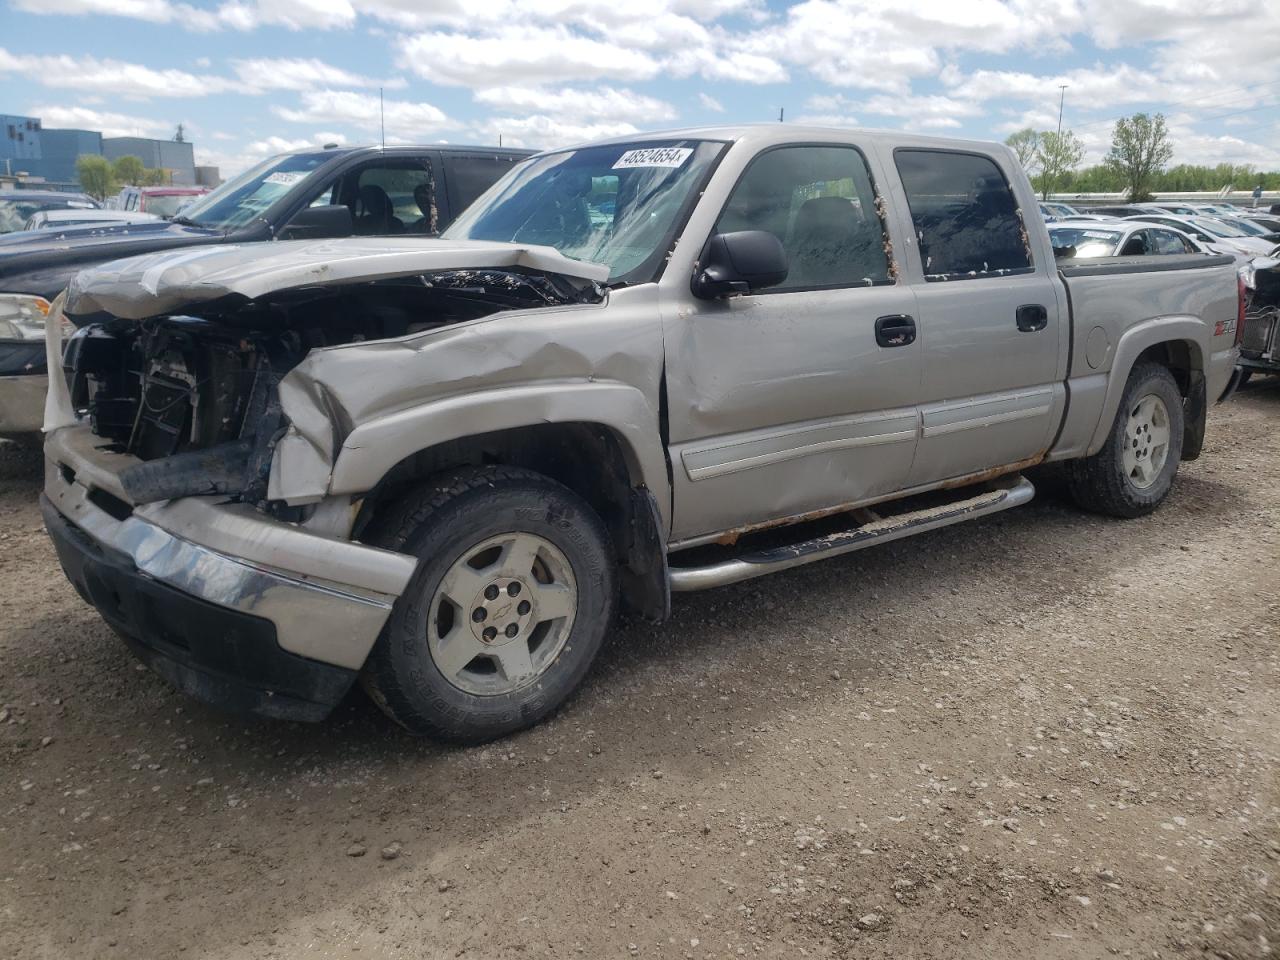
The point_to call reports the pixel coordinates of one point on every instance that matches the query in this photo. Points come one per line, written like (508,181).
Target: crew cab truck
(632,368)
(336,192)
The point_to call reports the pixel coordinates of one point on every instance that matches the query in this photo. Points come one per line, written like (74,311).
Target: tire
(518,547)
(1105,483)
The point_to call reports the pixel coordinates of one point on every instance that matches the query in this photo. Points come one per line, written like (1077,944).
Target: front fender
(374,447)
(1141,336)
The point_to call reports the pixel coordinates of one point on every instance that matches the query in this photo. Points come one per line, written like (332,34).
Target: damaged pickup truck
(631,368)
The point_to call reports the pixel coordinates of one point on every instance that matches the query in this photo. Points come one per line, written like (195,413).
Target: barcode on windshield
(654,157)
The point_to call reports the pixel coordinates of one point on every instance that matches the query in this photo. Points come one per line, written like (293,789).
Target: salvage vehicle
(1260,348)
(163,202)
(65,219)
(355,191)
(19,206)
(1215,234)
(643,366)
(1083,239)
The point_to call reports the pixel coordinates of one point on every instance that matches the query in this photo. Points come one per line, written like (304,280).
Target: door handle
(1032,317)
(895,330)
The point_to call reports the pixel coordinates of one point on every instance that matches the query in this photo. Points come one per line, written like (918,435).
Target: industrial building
(48,156)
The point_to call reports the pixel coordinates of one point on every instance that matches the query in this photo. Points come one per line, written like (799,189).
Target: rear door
(991,326)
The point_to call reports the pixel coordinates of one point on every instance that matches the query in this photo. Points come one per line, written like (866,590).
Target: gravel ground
(1041,735)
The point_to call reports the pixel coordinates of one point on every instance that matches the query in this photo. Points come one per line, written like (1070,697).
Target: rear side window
(967,221)
(468,177)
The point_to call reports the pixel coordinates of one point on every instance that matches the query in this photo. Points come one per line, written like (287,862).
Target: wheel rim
(1146,441)
(502,614)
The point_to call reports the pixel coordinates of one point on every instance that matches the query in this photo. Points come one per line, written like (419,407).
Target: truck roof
(769,134)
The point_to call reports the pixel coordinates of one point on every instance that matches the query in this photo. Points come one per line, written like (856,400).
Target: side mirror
(740,262)
(315,223)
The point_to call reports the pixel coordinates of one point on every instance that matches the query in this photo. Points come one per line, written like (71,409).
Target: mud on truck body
(630,369)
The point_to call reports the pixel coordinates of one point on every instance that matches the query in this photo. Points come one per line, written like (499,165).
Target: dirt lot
(1041,735)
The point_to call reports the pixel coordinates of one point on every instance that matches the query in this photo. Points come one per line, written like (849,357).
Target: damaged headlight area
(195,395)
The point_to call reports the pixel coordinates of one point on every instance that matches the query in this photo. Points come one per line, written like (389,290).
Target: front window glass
(618,205)
(166,205)
(819,202)
(966,218)
(238,201)
(1250,229)
(1076,242)
(15,213)
(1219,228)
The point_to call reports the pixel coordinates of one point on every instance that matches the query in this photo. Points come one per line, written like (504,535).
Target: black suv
(336,192)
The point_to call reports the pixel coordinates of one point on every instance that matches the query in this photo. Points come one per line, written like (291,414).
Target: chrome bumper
(22,404)
(327,598)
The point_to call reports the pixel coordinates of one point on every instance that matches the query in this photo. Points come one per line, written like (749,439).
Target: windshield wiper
(185,221)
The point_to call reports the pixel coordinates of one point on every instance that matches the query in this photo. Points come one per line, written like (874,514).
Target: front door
(991,326)
(800,397)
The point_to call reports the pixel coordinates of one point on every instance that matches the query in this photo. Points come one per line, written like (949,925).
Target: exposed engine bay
(194,395)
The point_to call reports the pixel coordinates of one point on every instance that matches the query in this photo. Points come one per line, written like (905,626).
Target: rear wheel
(1133,472)
(506,611)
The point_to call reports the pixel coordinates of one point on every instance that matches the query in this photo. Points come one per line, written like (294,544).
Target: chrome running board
(1004,494)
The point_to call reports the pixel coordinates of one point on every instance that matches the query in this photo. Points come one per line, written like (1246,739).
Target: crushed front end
(1260,348)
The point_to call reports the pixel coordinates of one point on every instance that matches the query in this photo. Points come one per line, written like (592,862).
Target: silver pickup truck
(631,368)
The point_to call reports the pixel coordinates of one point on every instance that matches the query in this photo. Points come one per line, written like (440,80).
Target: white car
(1080,238)
(1217,235)
(61,219)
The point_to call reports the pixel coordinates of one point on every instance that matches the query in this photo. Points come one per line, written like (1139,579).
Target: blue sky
(249,78)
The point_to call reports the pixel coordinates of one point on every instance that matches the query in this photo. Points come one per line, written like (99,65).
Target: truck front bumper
(234,608)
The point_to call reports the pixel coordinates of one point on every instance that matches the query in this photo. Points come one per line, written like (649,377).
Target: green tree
(94,174)
(1024,143)
(156,177)
(128,171)
(1058,154)
(1140,148)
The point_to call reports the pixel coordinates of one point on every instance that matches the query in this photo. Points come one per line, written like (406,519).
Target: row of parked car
(26,210)
(1251,236)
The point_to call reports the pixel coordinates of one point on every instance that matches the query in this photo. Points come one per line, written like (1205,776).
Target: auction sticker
(653,157)
(285,178)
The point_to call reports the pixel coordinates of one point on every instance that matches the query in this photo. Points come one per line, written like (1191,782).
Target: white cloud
(415,120)
(709,102)
(129,80)
(539,130)
(592,103)
(268,73)
(111,124)
(522,54)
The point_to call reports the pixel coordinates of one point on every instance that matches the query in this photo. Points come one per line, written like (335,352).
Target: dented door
(800,397)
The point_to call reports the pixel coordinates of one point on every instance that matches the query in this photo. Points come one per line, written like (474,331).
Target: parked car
(1057,211)
(1269,222)
(365,191)
(438,464)
(1078,240)
(1251,228)
(163,202)
(19,206)
(69,218)
(1116,211)
(1217,235)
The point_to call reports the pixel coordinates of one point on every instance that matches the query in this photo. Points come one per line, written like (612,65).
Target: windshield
(1250,229)
(238,201)
(617,205)
(14,213)
(1069,242)
(166,205)
(1218,228)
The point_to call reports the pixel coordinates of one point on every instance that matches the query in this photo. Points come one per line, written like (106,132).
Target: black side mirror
(739,262)
(315,223)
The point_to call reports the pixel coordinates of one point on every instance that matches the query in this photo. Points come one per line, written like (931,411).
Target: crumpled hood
(160,283)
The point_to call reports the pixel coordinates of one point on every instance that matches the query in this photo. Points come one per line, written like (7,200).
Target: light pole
(1062,99)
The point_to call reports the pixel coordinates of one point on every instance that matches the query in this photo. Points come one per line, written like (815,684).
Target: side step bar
(1008,492)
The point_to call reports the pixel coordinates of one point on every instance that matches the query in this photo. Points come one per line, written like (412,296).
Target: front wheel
(1133,472)
(509,605)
